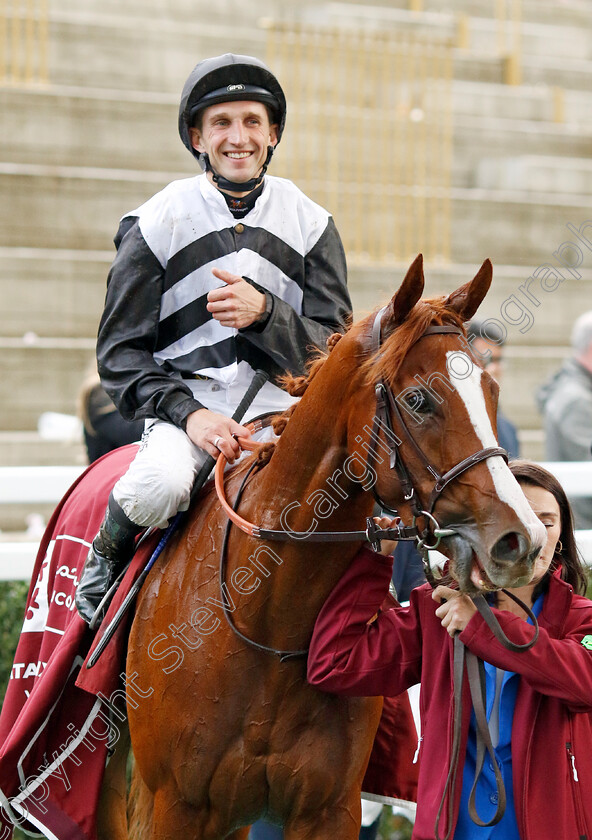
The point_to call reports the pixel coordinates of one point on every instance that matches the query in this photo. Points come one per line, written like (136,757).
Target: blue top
(501,688)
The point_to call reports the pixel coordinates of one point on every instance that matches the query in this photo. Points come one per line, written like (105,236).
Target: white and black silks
(155,328)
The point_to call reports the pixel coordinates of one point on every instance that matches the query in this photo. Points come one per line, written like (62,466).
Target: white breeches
(158,482)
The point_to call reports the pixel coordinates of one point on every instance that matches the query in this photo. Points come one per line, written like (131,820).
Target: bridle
(386,407)
(382,424)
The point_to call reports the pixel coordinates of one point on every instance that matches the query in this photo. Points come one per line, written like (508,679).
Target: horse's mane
(386,362)
(383,364)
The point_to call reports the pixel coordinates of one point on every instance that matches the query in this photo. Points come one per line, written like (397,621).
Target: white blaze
(465,376)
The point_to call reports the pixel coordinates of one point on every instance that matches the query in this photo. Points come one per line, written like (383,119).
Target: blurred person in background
(566,404)
(103,426)
(488,344)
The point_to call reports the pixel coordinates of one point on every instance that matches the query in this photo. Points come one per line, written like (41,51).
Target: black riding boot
(110,551)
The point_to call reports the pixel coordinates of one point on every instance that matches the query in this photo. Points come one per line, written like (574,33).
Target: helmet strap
(235,186)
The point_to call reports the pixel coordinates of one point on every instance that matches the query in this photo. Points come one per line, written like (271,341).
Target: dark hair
(487,331)
(572,568)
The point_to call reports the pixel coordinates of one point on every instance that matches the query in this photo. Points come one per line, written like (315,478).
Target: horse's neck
(312,468)
(305,487)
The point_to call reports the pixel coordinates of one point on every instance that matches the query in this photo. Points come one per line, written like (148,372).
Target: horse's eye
(418,401)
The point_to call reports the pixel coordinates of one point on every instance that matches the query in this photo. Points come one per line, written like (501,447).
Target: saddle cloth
(59,720)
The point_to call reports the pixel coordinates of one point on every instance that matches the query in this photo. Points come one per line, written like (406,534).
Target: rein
(284,655)
(463,660)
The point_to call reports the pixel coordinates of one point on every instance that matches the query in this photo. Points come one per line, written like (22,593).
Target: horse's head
(431,443)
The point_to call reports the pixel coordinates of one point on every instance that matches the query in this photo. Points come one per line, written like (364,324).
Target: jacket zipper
(416,756)
(576,791)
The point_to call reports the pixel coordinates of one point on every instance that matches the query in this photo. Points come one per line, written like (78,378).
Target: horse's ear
(406,297)
(467,299)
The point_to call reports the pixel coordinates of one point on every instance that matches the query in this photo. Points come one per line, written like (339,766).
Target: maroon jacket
(552,732)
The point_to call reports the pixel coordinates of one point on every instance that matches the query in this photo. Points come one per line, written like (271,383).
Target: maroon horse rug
(60,721)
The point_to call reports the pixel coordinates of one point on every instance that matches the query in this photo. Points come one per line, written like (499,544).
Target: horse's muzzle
(509,563)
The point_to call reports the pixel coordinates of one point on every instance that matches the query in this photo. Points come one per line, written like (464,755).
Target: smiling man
(215,276)
(236,137)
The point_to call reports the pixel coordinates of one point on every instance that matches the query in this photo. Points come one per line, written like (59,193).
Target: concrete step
(181,11)
(45,376)
(20,449)
(158,55)
(512,299)
(138,53)
(19,518)
(554,146)
(550,12)
(509,227)
(29,449)
(40,376)
(484,33)
(570,109)
(535,173)
(483,222)
(92,127)
(575,74)
(74,207)
(77,280)
(101,128)
(73,306)
(569,13)
(479,100)
(69,207)
(36,380)
(524,372)
(100,132)
(554,40)
(532,444)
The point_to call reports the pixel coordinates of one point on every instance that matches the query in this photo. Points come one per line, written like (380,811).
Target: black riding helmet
(228,78)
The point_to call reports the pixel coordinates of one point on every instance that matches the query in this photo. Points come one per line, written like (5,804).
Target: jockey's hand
(455,610)
(214,433)
(237,304)
(387,547)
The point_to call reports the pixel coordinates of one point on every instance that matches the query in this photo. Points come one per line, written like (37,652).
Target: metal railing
(24,42)
(370,134)
(508,14)
(36,485)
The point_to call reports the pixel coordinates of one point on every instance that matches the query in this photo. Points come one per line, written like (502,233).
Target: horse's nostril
(510,548)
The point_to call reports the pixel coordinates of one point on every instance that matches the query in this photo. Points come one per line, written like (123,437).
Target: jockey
(215,276)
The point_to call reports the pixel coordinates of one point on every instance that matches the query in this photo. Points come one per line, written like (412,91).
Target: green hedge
(13,595)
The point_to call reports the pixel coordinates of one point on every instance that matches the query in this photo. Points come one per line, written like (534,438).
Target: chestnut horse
(225,732)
